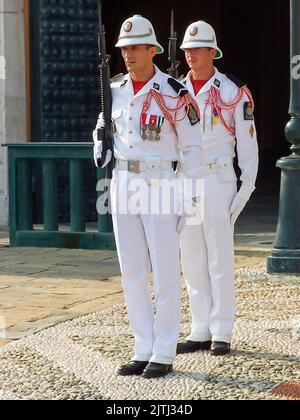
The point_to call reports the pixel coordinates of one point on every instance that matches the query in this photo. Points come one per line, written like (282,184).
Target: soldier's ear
(213,53)
(153,51)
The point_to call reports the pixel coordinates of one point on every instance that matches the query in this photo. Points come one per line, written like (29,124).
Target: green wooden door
(64,89)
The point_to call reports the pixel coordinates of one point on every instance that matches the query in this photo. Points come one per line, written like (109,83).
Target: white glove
(181,225)
(189,211)
(237,207)
(98,148)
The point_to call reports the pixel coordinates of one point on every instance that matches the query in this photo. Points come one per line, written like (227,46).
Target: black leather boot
(132,368)
(193,346)
(220,349)
(157,370)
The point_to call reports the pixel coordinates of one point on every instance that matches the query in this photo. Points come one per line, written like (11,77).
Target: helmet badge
(128,27)
(193,31)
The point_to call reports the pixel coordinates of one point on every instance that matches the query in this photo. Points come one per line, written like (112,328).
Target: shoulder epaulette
(179,88)
(235,80)
(117,78)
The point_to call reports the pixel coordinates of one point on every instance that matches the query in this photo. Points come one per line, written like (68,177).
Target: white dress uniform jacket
(208,249)
(182,145)
(146,239)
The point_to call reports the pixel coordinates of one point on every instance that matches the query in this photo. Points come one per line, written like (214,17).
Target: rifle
(105,133)
(173,70)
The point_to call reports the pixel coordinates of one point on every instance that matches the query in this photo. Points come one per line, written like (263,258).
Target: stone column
(285,257)
(12,89)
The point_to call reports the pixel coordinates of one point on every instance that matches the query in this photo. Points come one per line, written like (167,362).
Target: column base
(285,257)
(284,261)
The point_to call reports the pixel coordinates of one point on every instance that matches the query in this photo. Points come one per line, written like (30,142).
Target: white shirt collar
(217,77)
(154,83)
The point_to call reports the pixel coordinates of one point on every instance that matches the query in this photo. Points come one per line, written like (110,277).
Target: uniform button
(131,147)
(130,119)
(131,104)
(130,132)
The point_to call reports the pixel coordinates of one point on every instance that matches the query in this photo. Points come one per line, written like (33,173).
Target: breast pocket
(118,121)
(166,127)
(217,124)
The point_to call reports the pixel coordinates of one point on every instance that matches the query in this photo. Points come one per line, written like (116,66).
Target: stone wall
(12,89)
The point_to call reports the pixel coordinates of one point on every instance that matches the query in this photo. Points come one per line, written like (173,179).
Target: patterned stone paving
(79,359)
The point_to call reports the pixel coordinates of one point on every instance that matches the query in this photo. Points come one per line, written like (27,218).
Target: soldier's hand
(237,207)
(181,225)
(98,150)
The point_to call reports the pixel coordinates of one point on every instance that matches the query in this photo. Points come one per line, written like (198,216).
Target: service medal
(151,129)
(144,132)
(158,131)
(215,120)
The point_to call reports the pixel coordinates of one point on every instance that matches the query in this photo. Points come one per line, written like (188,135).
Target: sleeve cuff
(246,191)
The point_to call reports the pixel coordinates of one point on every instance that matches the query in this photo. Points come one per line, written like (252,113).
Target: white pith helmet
(201,34)
(138,30)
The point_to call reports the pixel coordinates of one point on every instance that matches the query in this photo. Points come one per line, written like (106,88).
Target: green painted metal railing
(22,230)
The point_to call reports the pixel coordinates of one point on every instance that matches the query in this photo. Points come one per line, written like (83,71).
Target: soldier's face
(198,58)
(138,57)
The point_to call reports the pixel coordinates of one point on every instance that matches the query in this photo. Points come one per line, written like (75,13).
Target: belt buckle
(134,166)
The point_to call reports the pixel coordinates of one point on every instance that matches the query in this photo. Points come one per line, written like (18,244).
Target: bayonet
(173,70)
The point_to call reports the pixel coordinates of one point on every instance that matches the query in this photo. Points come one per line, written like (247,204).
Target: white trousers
(144,240)
(207,252)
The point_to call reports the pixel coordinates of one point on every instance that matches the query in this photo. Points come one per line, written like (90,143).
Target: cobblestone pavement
(41,287)
(79,359)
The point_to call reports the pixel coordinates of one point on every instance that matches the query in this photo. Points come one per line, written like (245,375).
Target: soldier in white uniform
(227,121)
(156,123)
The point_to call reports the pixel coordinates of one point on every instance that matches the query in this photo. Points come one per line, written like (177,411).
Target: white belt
(204,170)
(138,166)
